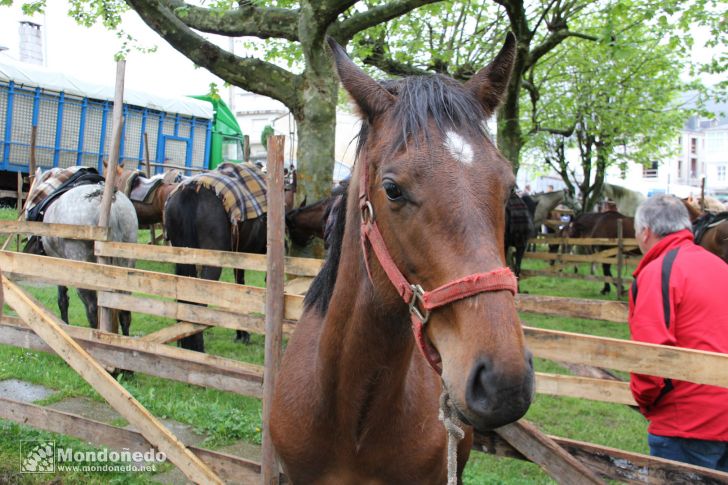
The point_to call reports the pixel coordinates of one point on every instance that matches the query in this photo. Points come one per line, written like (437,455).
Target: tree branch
(248,73)
(246,20)
(346,29)
(550,42)
(381,60)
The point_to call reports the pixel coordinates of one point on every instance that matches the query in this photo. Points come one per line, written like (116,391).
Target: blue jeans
(709,454)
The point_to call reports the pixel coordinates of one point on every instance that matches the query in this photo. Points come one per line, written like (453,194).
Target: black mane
(322,287)
(420,101)
(436,98)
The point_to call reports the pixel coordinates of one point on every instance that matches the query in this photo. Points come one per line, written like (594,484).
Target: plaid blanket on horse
(241,187)
(49,181)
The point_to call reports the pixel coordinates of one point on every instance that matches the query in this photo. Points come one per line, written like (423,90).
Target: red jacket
(698,319)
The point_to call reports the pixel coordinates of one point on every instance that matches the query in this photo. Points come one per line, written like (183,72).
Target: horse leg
(241,335)
(63,302)
(193,342)
(518,258)
(125,321)
(88,297)
(607,270)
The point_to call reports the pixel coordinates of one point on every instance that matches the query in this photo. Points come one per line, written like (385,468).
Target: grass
(225,417)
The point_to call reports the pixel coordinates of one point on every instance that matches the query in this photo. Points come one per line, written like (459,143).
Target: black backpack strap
(633,289)
(666,271)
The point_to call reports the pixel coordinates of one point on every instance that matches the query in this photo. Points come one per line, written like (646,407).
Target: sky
(88,53)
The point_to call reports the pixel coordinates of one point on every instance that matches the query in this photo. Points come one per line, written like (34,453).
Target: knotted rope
(455,433)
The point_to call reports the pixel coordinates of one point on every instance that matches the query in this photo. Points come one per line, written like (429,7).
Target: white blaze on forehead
(459,147)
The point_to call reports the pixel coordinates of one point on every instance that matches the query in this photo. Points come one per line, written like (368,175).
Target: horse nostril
(476,394)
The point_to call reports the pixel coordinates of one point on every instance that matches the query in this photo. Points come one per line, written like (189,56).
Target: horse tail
(180,222)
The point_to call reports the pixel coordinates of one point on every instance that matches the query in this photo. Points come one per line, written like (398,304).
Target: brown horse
(710,230)
(147,194)
(355,400)
(602,225)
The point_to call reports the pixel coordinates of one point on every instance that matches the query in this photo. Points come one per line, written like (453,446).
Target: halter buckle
(367,212)
(417,296)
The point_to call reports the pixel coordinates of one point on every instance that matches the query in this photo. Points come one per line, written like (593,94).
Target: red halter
(421,302)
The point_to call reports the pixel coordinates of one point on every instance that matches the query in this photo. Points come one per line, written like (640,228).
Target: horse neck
(693,213)
(365,345)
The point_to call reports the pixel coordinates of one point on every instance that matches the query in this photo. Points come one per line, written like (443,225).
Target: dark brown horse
(195,217)
(355,400)
(309,221)
(710,230)
(602,225)
(519,229)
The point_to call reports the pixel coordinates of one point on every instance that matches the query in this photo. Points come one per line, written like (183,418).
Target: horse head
(431,180)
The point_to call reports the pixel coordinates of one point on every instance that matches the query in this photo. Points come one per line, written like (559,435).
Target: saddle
(83,176)
(705,222)
(143,190)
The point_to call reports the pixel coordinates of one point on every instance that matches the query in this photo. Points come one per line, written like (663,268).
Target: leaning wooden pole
(273,299)
(48,327)
(105,316)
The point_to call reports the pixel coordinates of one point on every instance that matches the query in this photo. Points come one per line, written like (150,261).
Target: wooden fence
(240,307)
(617,252)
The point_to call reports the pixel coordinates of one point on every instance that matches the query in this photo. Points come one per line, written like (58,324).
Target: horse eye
(392,190)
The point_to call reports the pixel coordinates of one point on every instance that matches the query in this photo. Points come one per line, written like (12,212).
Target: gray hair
(663,214)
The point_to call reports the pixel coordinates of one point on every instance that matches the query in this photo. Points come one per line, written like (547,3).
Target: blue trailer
(73,125)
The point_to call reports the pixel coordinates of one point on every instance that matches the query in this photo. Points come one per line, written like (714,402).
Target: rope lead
(454,434)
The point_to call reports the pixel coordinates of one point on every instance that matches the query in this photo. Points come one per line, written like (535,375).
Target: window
(721,173)
(693,145)
(649,171)
(694,168)
(679,168)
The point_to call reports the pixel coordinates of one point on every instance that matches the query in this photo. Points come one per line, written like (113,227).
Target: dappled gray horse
(81,206)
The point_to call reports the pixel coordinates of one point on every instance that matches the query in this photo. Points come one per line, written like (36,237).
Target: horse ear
(371,98)
(303,202)
(489,84)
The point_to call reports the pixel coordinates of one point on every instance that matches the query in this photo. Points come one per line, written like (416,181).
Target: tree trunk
(316,122)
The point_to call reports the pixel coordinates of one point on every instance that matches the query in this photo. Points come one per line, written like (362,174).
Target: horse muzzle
(496,396)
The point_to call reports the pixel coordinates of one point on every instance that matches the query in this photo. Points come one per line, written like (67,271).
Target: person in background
(549,188)
(678,299)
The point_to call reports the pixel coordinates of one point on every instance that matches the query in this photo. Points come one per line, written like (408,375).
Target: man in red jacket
(678,298)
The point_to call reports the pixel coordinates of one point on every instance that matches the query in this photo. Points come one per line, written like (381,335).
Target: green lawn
(226,417)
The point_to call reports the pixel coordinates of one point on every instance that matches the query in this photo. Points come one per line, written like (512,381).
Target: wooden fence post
(620,258)
(274,300)
(105,316)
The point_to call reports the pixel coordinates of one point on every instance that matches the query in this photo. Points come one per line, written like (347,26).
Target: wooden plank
(206,257)
(584,387)
(188,312)
(148,358)
(275,272)
(572,258)
(583,241)
(298,286)
(68,231)
(612,463)
(49,328)
(230,296)
(174,332)
(690,365)
(568,274)
(231,468)
(545,452)
(611,311)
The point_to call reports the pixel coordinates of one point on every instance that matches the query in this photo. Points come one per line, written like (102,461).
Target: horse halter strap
(422,302)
